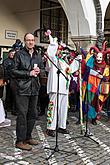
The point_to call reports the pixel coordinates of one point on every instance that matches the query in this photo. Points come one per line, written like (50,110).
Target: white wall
(20,22)
(30,15)
(9,22)
(81,16)
(104,4)
(90,15)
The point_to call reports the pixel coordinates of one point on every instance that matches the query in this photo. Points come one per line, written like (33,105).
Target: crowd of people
(51,82)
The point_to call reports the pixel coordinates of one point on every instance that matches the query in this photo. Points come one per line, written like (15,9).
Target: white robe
(52,85)
(2,112)
(53,76)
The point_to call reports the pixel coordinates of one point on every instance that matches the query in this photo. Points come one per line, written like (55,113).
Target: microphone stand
(56,148)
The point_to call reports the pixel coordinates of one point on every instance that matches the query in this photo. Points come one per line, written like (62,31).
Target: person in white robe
(2,112)
(52,90)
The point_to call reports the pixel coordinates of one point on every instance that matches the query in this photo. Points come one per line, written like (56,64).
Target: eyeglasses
(28,40)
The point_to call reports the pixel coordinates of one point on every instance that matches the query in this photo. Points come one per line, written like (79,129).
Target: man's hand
(35,72)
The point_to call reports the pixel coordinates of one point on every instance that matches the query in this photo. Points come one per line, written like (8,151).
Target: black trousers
(43,99)
(1,91)
(26,116)
(9,98)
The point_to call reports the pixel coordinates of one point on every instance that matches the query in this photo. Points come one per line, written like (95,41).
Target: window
(53,17)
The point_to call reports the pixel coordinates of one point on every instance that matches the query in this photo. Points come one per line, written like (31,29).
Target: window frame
(57,29)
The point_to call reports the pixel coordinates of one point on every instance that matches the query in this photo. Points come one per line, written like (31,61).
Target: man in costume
(54,53)
(96,81)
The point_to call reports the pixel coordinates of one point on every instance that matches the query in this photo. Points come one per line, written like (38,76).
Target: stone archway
(93,19)
(107,25)
(81,15)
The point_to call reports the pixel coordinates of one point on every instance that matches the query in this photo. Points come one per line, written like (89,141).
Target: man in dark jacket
(28,68)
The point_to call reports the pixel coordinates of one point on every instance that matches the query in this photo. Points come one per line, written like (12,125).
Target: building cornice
(84,38)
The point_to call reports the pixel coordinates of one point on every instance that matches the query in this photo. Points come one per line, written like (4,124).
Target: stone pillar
(100,33)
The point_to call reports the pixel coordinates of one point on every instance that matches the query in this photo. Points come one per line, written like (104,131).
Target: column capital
(84,41)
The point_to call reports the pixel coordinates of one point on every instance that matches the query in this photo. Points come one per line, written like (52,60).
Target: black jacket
(24,63)
(8,65)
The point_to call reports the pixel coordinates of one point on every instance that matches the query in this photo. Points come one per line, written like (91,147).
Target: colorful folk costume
(96,82)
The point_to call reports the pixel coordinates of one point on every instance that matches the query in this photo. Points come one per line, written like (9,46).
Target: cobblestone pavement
(92,148)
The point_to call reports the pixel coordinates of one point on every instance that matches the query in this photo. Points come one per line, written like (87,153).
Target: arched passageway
(107,25)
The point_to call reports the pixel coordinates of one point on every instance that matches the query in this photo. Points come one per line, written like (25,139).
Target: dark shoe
(14,113)
(67,122)
(63,131)
(94,122)
(50,132)
(31,142)
(23,146)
